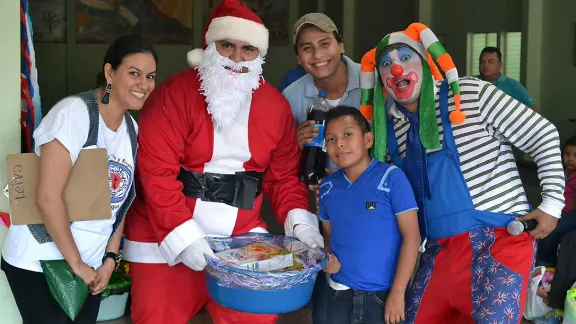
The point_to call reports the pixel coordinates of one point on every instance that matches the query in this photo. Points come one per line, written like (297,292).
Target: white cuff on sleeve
(299,216)
(551,207)
(179,239)
(258,230)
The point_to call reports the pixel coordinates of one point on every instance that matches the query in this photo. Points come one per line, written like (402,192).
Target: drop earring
(106,97)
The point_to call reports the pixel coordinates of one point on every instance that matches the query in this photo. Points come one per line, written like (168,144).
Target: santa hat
(420,38)
(233,20)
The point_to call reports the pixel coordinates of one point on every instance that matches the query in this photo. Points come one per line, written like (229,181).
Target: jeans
(355,306)
(320,299)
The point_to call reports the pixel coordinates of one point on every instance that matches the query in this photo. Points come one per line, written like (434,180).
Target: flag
(31,111)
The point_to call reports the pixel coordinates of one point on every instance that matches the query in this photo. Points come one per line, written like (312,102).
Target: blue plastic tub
(264,292)
(261,301)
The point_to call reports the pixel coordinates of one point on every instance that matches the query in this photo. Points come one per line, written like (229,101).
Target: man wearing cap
(320,51)
(452,139)
(202,133)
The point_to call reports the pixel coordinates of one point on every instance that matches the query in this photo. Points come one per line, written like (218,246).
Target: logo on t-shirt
(370,205)
(120,179)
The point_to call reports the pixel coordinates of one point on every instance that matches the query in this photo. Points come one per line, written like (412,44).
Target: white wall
(9,88)
(558,75)
(376,19)
(452,20)
(9,128)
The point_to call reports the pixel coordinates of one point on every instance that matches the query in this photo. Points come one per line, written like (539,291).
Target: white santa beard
(227,91)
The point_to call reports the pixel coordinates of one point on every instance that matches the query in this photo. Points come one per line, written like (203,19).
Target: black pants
(35,302)
(548,247)
(565,274)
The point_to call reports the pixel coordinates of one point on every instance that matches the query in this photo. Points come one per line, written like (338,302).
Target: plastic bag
(68,289)
(308,262)
(570,306)
(554,317)
(539,284)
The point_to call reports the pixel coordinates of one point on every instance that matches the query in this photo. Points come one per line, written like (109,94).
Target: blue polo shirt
(513,88)
(365,236)
(301,93)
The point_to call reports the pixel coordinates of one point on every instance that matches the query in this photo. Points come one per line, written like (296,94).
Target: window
(510,45)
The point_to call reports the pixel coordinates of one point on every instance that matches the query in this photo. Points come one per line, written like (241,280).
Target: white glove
(309,235)
(194,255)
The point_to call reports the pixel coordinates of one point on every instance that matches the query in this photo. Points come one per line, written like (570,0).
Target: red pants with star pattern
(479,276)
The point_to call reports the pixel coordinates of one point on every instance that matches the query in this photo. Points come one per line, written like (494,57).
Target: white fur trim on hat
(195,57)
(238,29)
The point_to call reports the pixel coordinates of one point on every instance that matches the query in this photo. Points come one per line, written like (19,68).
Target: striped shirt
(495,122)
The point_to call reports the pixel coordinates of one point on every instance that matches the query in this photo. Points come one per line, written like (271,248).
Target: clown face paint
(401,73)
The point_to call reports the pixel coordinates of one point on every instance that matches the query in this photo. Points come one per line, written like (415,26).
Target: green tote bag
(68,289)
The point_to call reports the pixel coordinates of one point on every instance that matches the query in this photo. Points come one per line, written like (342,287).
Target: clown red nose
(397,70)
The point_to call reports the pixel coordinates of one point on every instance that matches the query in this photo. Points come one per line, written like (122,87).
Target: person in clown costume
(212,139)
(453,138)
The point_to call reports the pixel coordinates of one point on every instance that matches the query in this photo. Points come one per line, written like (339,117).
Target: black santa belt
(237,190)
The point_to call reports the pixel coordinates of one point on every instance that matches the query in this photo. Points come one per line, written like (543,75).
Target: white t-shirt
(333,102)
(68,122)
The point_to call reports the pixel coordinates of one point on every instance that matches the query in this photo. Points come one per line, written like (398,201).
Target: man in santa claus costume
(212,139)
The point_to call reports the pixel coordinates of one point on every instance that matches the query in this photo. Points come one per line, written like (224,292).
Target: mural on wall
(274,14)
(48,20)
(160,21)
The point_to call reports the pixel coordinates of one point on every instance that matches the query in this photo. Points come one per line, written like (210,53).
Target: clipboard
(86,195)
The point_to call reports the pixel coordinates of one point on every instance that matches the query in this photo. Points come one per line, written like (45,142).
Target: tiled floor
(299,317)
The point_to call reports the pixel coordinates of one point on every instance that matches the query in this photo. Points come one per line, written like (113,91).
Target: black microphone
(518,227)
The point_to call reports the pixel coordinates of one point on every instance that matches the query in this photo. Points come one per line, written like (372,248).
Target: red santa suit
(178,136)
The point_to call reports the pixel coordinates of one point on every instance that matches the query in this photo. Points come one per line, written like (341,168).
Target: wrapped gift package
(263,292)
(258,256)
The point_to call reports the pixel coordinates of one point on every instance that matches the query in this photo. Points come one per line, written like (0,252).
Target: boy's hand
(394,309)
(333,264)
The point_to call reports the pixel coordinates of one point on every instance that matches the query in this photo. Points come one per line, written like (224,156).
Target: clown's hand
(194,256)
(309,235)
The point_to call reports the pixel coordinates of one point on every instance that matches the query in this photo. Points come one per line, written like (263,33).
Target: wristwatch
(112,256)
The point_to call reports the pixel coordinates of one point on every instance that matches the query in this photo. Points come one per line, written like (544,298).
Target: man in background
(491,71)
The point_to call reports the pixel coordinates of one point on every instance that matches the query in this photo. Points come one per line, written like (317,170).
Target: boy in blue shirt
(368,214)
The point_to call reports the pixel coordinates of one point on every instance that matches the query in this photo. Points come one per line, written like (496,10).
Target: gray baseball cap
(317,19)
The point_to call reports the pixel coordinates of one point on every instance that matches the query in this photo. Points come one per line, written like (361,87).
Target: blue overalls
(459,278)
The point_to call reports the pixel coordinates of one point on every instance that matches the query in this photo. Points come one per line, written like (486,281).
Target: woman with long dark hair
(96,118)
